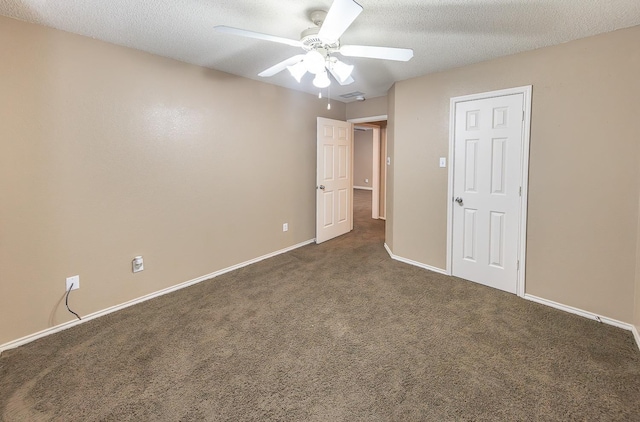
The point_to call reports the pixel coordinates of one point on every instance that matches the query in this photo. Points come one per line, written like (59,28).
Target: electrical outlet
(75,280)
(285,227)
(366,180)
(443,161)
(137,264)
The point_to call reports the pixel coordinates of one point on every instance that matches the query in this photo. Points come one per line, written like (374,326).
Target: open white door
(489,168)
(334,179)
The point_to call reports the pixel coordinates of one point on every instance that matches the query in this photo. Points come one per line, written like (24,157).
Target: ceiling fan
(321,43)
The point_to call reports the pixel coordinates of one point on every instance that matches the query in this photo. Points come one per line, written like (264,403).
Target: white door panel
(334,179)
(487,173)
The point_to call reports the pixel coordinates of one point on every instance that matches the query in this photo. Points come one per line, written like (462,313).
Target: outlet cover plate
(285,227)
(137,264)
(75,280)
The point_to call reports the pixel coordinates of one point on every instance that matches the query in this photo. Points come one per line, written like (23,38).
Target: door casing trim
(524,177)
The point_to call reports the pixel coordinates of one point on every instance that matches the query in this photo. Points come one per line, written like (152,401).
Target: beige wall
(636,320)
(383,172)
(583,182)
(363,158)
(391,128)
(368,108)
(107,153)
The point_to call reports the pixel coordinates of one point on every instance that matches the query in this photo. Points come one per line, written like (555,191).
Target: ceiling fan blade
(281,66)
(341,14)
(256,35)
(372,52)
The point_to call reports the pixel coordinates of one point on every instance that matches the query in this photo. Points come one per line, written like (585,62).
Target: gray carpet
(331,332)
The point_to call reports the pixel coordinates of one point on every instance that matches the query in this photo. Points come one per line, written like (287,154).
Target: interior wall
(391,181)
(383,172)
(363,158)
(583,181)
(369,108)
(636,321)
(107,153)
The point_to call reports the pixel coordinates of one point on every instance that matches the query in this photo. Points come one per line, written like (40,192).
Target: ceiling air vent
(353,94)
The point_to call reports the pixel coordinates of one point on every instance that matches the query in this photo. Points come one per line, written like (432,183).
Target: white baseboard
(581,312)
(560,306)
(363,187)
(636,335)
(414,263)
(64,326)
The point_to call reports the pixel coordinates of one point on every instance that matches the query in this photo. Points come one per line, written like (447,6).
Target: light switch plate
(443,161)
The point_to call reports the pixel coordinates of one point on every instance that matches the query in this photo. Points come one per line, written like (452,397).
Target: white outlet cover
(137,264)
(443,161)
(75,280)
(285,227)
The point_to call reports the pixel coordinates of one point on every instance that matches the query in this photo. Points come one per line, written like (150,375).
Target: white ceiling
(443,34)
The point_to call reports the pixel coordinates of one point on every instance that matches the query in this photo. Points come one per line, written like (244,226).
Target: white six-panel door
(334,190)
(487,186)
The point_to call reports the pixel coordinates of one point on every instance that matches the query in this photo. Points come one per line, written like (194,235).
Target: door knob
(321,187)
(459,200)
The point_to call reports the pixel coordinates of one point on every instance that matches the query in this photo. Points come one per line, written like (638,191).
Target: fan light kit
(321,43)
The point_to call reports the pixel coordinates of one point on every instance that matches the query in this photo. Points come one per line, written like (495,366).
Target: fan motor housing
(310,40)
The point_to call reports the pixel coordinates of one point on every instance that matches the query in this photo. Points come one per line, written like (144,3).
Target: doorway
(376,128)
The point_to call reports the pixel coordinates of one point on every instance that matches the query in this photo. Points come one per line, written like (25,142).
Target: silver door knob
(321,187)
(459,200)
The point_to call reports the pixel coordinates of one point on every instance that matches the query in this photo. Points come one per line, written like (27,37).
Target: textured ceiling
(443,34)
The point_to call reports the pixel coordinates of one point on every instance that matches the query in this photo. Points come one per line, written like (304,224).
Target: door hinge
(518,265)
(520,191)
(523,115)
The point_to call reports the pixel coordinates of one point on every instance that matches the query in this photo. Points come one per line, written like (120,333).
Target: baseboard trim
(64,326)
(581,312)
(414,263)
(546,302)
(636,335)
(363,187)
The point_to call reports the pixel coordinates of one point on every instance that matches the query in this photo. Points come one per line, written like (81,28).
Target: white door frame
(375,168)
(375,180)
(524,177)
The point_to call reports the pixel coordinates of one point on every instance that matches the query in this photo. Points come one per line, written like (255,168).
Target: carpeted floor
(330,332)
